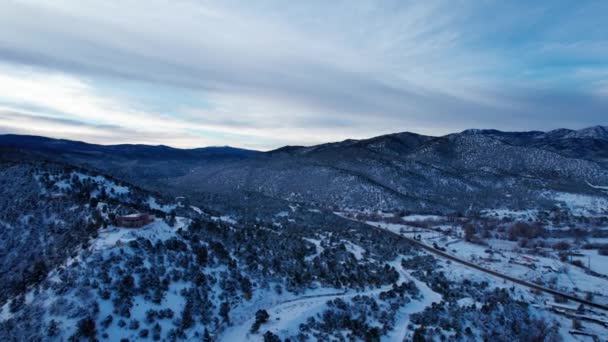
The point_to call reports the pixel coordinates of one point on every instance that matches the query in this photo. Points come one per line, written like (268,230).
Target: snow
(108,237)
(63,185)
(317,243)
(291,312)
(417,218)
(598,263)
(111,186)
(521,215)
(598,186)
(467,301)
(153,203)
(428,297)
(5,313)
(498,254)
(132,215)
(224,218)
(355,249)
(282,214)
(566,277)
(286,316)
(138,312)
(582,205)
(6,224)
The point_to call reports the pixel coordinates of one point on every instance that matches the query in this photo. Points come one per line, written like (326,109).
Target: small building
(136,220)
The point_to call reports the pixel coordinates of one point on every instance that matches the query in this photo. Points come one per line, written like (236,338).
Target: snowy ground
(521,215)
(109,237)
(597,262)
(226,219)
(153,203)
(318,246)
(582,205)
(287,314)
(417,218)
(428,297)
(548,270)
(540,302)
(499,254)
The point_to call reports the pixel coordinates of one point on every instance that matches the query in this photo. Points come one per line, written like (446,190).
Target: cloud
(17,122)
(270,73)
(27,123)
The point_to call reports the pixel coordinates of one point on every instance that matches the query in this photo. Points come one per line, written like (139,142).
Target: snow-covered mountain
(468,171)
(455,173)
(291,244)
(595,132)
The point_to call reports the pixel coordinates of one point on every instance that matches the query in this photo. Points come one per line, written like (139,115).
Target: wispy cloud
(270,73)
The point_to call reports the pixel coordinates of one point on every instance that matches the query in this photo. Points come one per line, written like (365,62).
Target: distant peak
(593,132)
(287,149)
(478,131)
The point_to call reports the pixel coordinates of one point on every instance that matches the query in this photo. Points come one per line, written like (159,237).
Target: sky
(263,74)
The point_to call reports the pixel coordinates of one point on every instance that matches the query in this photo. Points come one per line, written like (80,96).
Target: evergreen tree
(419,335)
(53,328)
(261,317)
(269,336)
(206,336)
(86,328)
(225,311)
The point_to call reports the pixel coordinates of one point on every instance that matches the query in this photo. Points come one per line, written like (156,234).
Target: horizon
(279,147)
(270,74)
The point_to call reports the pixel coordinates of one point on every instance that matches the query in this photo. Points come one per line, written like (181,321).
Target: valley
(394,238)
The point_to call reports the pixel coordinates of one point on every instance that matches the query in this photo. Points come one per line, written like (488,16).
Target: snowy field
(506,257)
(500,256)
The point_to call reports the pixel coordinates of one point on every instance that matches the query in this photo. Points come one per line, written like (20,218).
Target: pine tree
(225,311)
(206,336)
(419,335)
(261,317)
(86,328)
(53,328)
(271,337)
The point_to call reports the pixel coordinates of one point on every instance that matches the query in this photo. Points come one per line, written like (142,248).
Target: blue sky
(262,74)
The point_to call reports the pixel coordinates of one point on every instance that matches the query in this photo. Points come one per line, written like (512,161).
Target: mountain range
(467,171)
(339,241)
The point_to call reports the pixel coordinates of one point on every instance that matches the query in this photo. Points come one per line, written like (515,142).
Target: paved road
(494,273)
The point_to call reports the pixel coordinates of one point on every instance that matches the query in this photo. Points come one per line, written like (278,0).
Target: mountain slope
(472,170)
(144,163)
(253,258)
(588,143)
(48,211)
(185,276)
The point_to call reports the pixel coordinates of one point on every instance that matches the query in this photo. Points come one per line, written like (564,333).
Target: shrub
(561,246)
(261,317)
(86,328)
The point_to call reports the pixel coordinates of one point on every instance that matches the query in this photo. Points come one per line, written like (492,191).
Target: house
(136,220)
